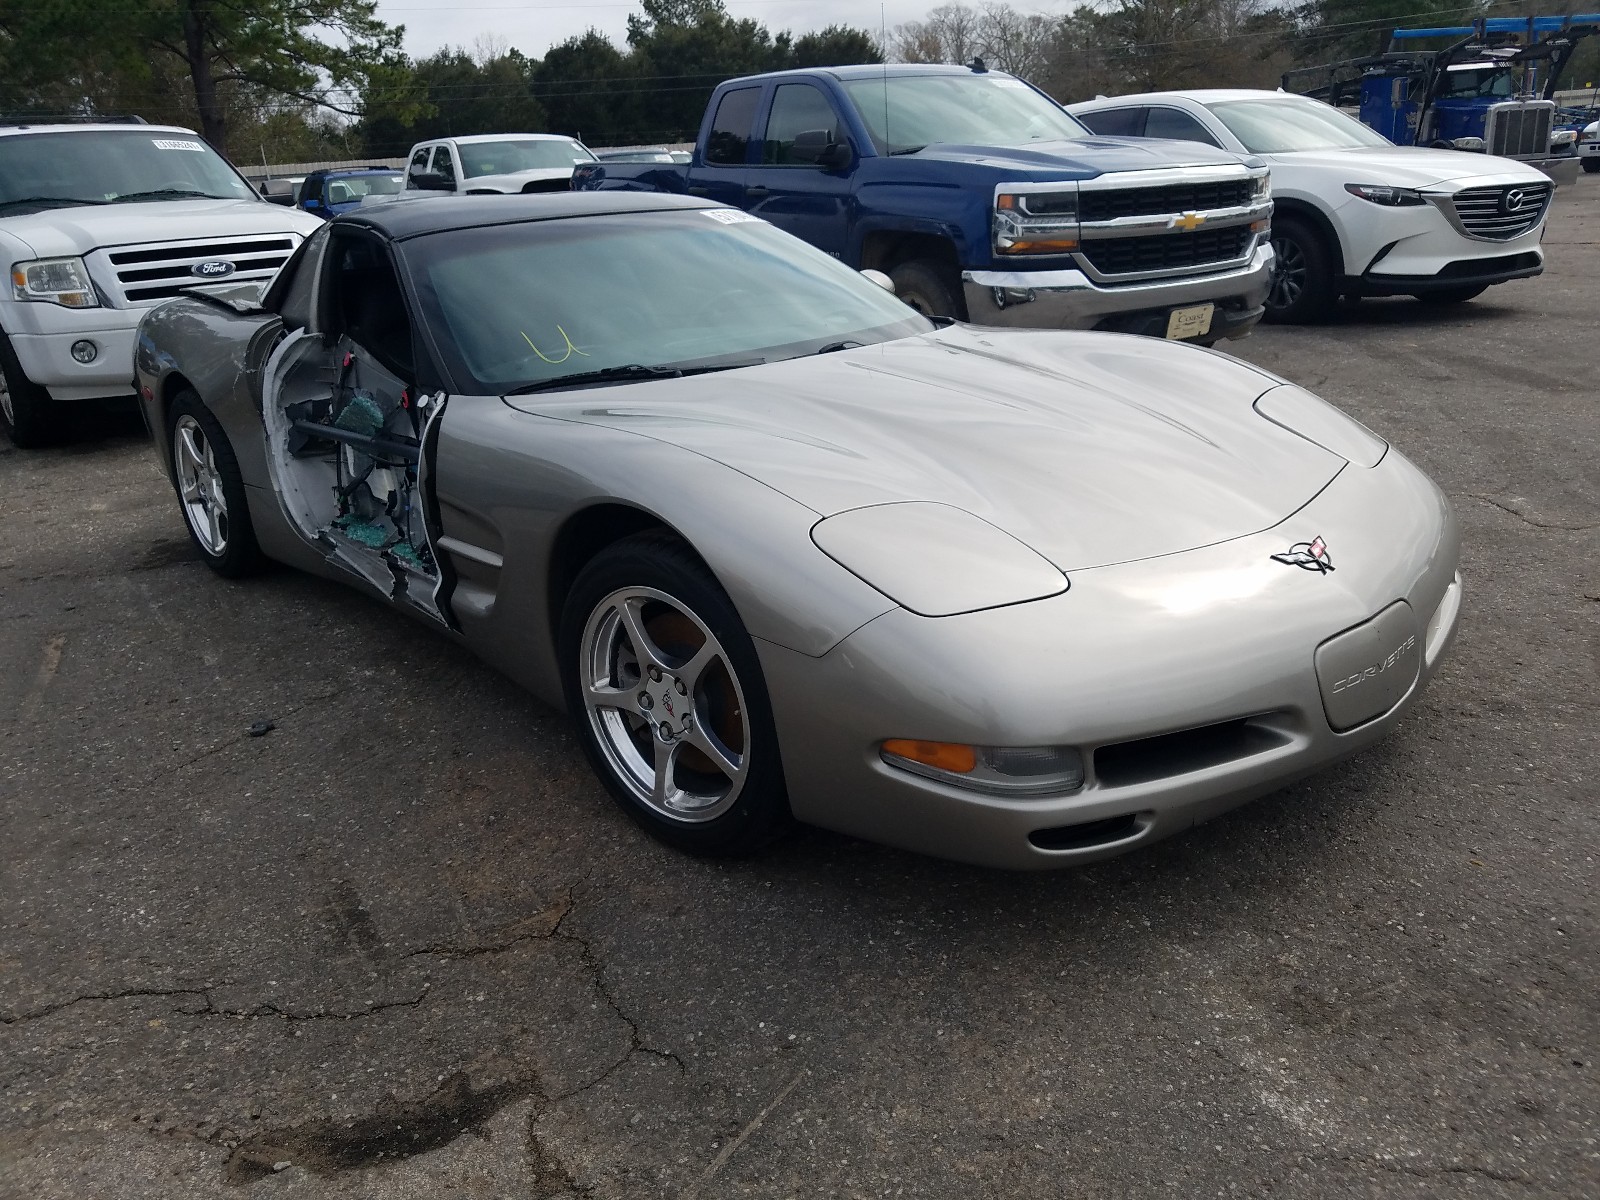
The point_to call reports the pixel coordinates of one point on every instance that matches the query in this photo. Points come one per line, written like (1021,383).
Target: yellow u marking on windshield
(570,351)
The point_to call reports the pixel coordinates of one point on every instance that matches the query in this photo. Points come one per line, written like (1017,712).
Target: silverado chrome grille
(147,274)
(1520,129)
(1501,213)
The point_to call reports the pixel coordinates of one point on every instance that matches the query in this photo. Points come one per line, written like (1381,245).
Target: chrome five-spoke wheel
(665,704)
(669,697)
(200,485)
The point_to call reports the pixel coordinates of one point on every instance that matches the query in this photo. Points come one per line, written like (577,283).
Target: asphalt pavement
(403,945)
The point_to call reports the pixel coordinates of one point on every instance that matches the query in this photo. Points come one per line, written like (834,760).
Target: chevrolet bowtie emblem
(1188,222)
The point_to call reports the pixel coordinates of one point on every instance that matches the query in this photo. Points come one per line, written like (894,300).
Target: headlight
(1468,143)
(996,770)
(1390,197)
(63,281)
(1260,186)
(1298,411)
(1563,137)
(1044,222)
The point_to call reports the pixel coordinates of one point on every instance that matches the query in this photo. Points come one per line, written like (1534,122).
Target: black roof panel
(399,219)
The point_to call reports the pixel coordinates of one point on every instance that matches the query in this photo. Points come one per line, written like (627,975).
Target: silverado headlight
(1390,197)
(63,281)
(1042,222)
(1260,186)
(996,770)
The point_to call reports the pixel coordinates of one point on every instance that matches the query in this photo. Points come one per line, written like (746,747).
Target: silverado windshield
(1284,126)
(638,296)
(520,154)
(907,112)
(62,167)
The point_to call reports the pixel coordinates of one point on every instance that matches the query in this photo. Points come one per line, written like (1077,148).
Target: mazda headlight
(1389,197)
(995,770)
(63,281)
(1036,222)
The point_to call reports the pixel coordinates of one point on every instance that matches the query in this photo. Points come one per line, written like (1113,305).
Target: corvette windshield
(907,112)
(515,306)
(58,168)
(1284,126)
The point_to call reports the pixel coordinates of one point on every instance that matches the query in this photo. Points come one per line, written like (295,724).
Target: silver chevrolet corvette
(787,550)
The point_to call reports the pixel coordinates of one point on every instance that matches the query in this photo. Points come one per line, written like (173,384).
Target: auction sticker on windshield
(174,144)
(728,216)
(1190,322)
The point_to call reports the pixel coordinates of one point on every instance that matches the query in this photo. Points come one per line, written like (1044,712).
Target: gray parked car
(787,549)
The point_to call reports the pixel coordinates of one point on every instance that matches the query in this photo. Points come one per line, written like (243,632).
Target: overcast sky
(534,27)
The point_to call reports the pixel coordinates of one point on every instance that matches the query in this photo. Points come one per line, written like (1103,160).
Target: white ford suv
(1354,214)
(98,223)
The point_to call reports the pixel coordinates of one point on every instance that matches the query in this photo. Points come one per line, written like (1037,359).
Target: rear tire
(697,765)
(1304,284)
(1591,166)
(926,286)
(26,410)
(210,488)
(1458,295)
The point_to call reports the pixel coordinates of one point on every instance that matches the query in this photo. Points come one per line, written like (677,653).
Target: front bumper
(1137,665)
(44,350)
(1470,272)
(1562,169)
(1071,300)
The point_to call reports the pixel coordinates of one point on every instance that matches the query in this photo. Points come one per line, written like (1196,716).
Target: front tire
(1304,287)
(210,487)
(667,693)
(26,409)
(1591,165)
(927,287)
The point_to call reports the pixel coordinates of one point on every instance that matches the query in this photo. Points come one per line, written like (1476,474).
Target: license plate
(1190,322)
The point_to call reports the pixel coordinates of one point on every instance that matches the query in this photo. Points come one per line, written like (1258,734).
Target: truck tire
(926,286)
(1304,281)
(1591,165)
(1458,295)
(26,410)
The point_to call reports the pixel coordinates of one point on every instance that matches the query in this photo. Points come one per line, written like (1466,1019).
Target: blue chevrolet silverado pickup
(983,200)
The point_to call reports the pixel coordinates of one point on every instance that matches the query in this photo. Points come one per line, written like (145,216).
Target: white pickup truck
(494,163)
(98,223)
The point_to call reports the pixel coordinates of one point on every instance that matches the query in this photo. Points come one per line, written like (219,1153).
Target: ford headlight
(63,281)
(1041,221)
(1389,197)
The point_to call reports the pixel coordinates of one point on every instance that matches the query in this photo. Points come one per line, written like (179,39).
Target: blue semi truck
(1490,89)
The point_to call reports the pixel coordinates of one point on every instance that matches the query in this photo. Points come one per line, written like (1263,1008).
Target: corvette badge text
(1377,668)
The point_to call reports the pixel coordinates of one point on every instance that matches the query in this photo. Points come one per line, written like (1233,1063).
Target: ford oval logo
(215,269)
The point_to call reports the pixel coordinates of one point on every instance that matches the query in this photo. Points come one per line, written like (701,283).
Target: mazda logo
(1515,199)
(215,269)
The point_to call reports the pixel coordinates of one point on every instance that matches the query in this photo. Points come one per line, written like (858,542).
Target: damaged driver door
(351,421)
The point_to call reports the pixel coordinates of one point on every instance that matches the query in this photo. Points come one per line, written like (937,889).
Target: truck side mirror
(431,181)
(818,146)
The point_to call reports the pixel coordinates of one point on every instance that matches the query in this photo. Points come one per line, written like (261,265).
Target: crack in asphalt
(128,994)
(1527,520)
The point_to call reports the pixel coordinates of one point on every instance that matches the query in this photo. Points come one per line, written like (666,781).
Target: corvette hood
(1411,166)
(1090,448)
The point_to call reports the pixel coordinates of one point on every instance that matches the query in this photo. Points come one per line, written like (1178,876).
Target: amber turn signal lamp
(944,756)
